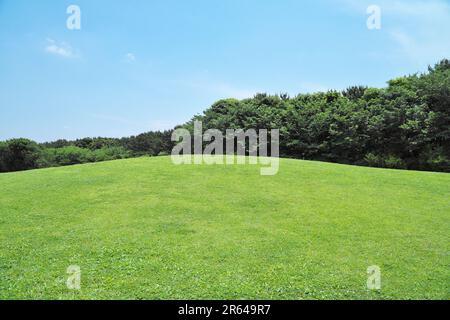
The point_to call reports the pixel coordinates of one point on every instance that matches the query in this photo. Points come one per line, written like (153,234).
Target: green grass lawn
(147,229)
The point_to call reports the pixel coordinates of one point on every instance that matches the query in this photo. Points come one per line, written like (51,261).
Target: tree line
(405,125)
(24,154)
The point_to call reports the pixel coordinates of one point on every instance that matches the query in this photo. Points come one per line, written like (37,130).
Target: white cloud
(61,49)
(130,57)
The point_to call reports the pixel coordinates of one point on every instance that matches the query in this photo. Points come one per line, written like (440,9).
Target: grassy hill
(144,228)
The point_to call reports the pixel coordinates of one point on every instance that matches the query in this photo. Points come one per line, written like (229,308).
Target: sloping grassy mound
(144,228)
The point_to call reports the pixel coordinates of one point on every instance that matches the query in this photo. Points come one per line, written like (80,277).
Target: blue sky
(147,65)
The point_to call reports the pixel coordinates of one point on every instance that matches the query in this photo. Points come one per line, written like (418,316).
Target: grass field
(146,229)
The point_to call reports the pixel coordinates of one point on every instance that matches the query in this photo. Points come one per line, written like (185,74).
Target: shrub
(373,160)
(19,154)
(71,155)
(394,162)
(110,153)
(3,167)
(435,159)
(390,161)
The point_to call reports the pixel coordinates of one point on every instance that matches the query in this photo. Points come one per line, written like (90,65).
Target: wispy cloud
(410,8)
(310,87)
(225,90)
(142,125)
(112,119)
(162,125)
(61,49)
(220,89)
(205,83)
(418,29)
(429,9)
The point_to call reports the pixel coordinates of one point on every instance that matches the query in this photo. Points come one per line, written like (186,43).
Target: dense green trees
(23,154)
(150,143)
(405,125)
(19,154)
